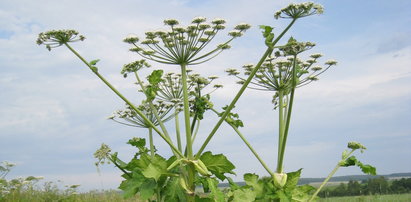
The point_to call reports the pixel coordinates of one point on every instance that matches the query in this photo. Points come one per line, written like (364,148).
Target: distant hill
(340,178)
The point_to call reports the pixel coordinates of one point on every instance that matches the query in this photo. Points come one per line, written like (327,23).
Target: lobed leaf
(217,164)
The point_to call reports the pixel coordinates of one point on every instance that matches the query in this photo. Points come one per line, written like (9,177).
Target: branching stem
(126,100)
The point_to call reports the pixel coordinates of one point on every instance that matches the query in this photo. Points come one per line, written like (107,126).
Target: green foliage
(378,185)
(154,79)
(217,164)
(154,177)
(232,118)
(243,195)
(365,168)
(216,193)
(201,104)
(264,189)
(156,168)
(268,35)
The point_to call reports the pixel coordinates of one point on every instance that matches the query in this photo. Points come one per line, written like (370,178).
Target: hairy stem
(177,125)
(329,177)
(189,146)
(118,166)
(249,147)
(280,130)
(283,141)
(187,123)
(150,135)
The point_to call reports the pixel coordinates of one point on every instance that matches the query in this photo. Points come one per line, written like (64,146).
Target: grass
(374,198)
(41,196)
(112,195)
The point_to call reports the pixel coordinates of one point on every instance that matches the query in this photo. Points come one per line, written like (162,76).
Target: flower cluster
(103,155)
(293,47)
(182,45)
(134,67)
(276,73)
(56,38)
(300,10)
(356,145)
(132,118)
(171,87)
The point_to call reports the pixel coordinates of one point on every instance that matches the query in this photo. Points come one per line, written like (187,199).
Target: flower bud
(280,179)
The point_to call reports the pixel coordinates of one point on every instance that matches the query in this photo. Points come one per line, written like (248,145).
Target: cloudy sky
(53,110)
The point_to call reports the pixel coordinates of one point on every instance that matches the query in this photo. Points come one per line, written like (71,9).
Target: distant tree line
(369,187)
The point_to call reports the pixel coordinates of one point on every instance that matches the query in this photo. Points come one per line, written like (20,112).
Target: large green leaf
(351,161)
(137,142)
(217,164)
(292,179)
(131,186)
(147,189)
(243,195)
(173,192)
(156,168)
(216,193)
(283,196)
(143,161)
(367,169)
(257,185)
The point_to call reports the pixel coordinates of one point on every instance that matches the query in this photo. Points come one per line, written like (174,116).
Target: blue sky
(53,110)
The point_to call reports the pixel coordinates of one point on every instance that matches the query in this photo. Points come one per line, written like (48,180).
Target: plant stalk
(241,91)
(150,135)
(234,101)
(329,177)
(280,130)
(285,129)
(187,123)
(189,147)
(177,125)
(127,101)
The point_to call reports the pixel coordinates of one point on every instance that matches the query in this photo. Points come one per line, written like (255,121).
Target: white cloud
(34,114)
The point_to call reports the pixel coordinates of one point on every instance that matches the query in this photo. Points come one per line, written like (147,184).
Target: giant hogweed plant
(167,95)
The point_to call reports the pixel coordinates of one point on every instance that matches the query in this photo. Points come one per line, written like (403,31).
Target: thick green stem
(187,123)
(190,181)
(189,146)
(150,136)
(194,134)
(280,130)
(283,141)
(126,101)
(177,125)
(329,177)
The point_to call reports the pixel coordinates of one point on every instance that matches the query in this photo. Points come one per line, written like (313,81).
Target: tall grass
(58,195)
(370,198)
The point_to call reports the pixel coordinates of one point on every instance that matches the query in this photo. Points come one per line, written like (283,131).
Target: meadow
(112,195)
(371,198)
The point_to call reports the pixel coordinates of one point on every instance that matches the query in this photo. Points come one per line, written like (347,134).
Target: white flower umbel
(184,45)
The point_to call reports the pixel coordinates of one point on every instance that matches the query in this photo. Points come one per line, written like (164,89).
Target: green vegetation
(370,198)
(375,186)
(281,69)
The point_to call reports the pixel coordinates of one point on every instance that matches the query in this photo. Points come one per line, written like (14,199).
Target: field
(375,198)
(52,195)
(108,196)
